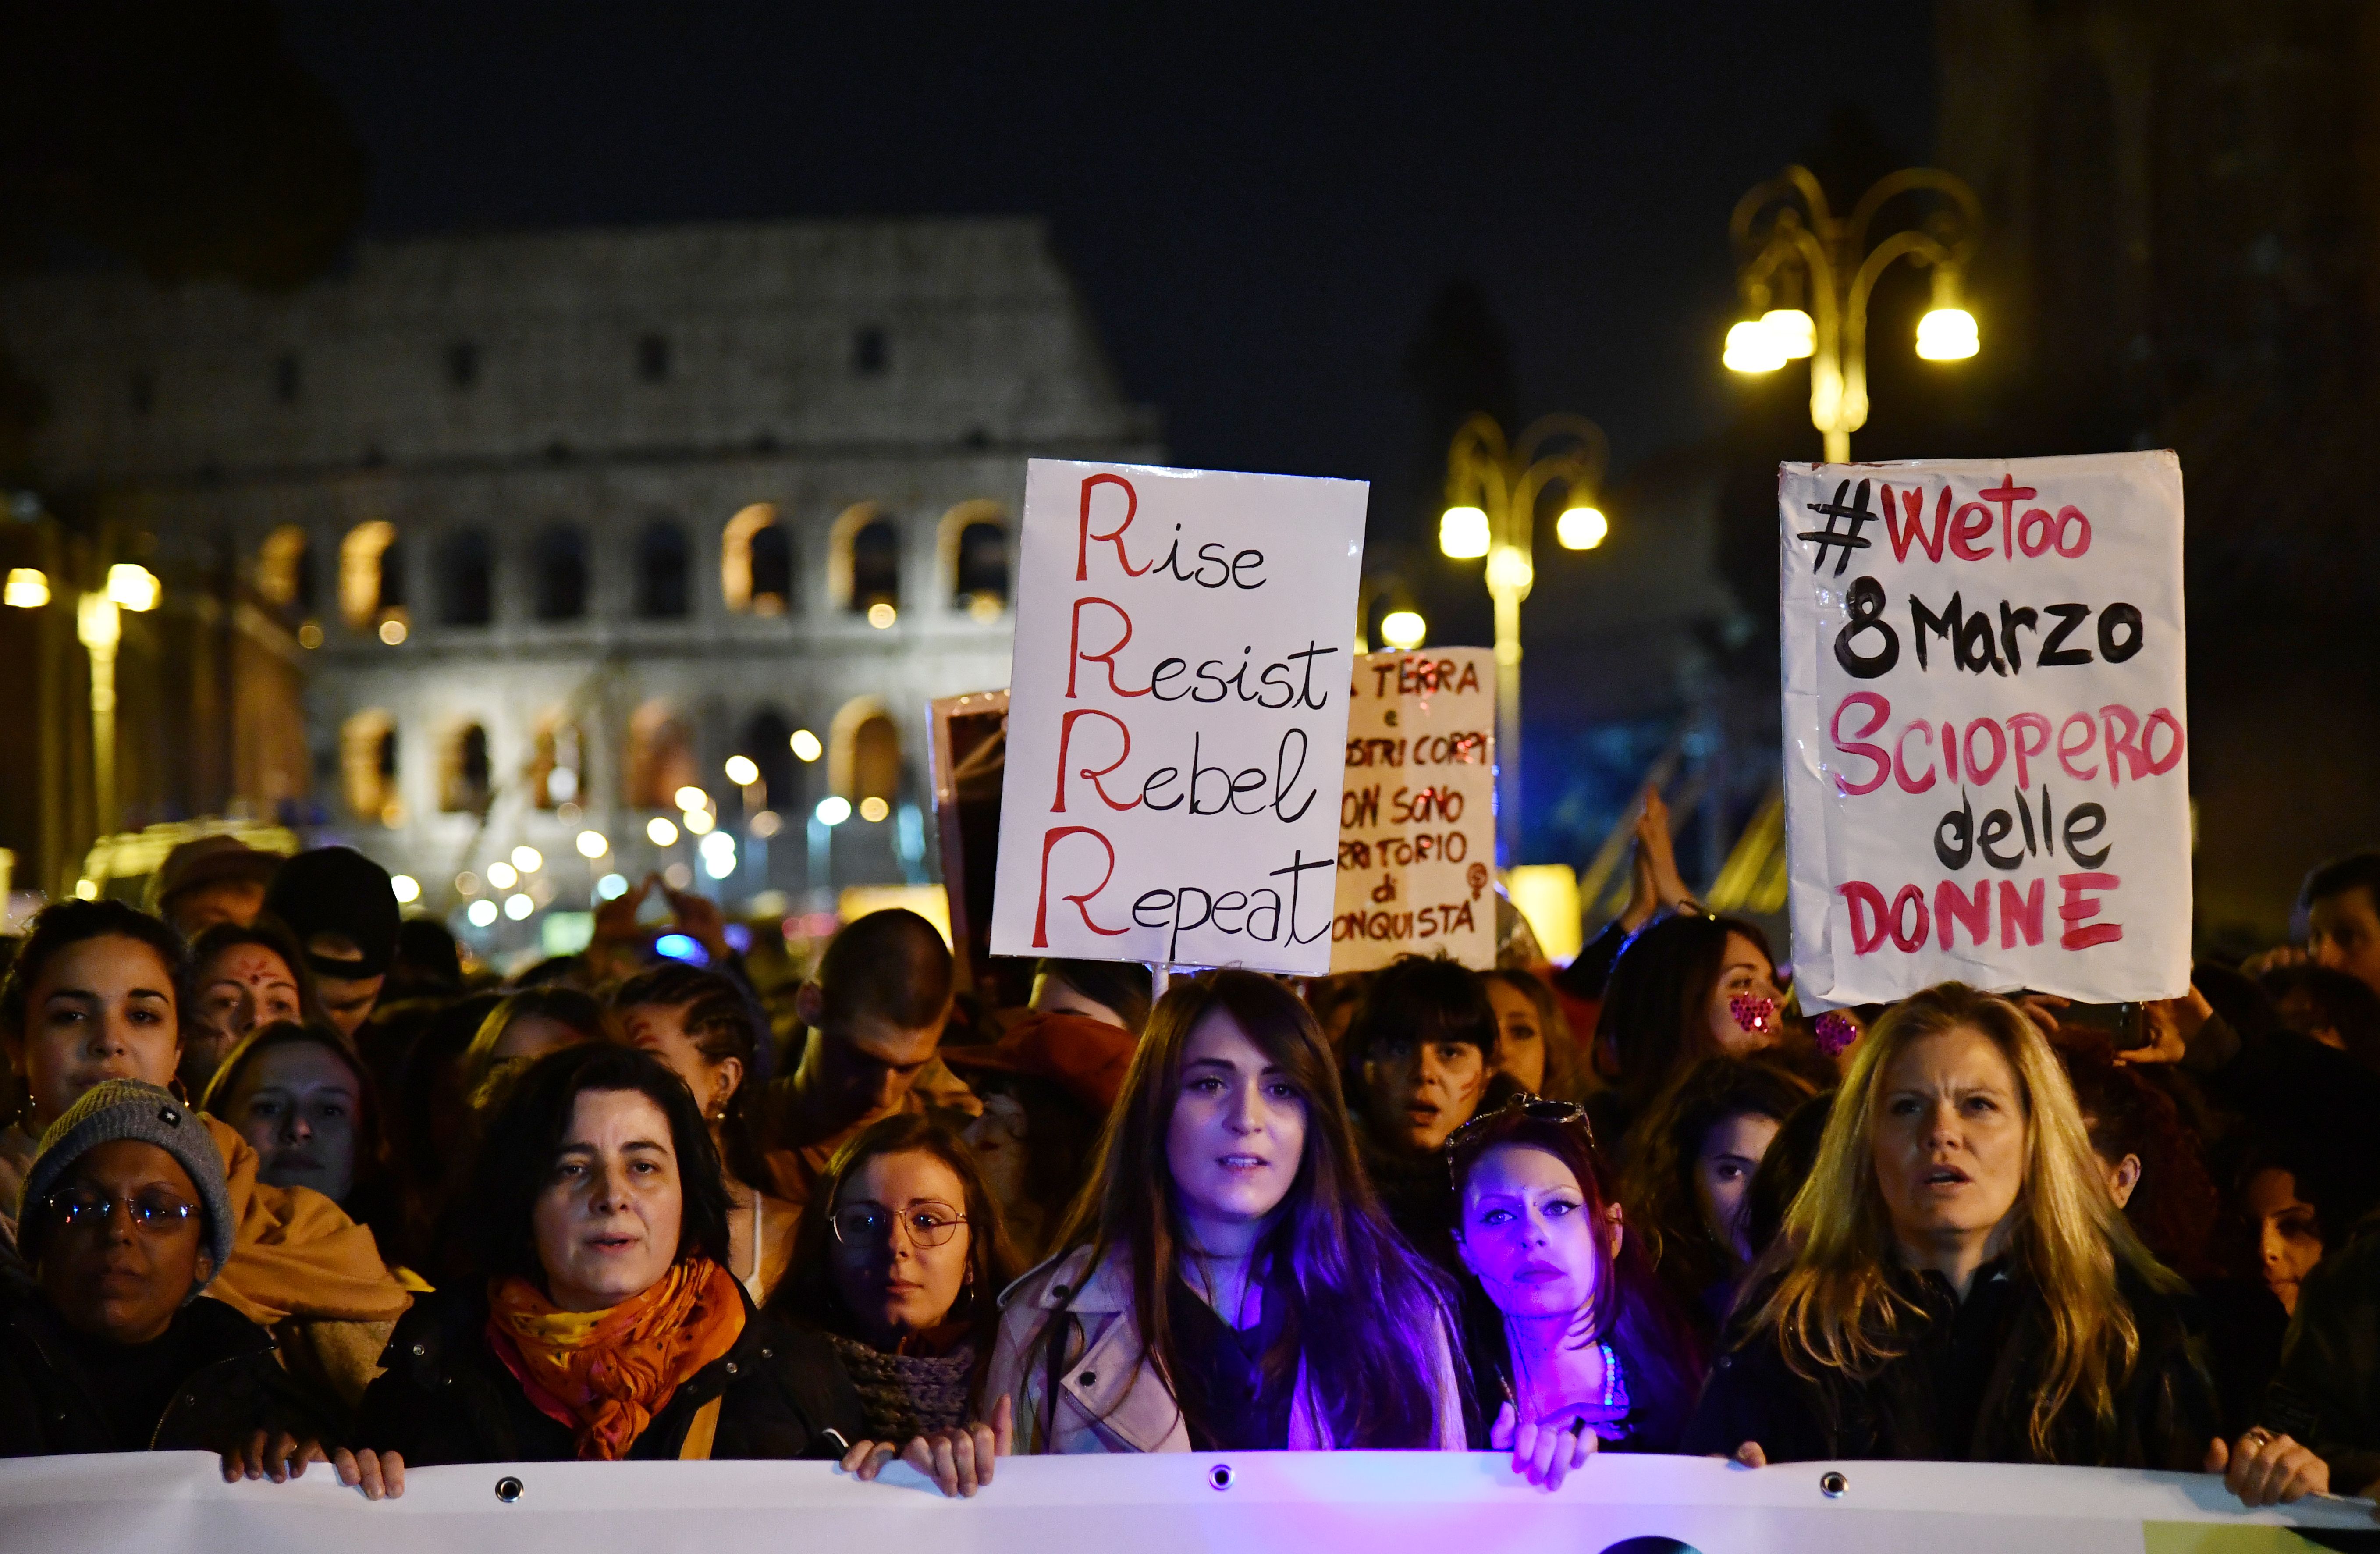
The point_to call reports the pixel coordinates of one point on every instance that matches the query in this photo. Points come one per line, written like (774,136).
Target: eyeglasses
(871,1224)
(1536,1109)
(153,1213)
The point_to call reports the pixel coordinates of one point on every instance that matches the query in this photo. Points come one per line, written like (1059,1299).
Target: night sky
(1259,201)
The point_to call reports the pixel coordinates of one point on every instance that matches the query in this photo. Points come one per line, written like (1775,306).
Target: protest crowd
(290,1186)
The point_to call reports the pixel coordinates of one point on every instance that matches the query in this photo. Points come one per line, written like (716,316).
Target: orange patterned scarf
(605,1374)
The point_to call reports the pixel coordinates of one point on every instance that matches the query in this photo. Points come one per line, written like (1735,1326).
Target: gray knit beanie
(115,1109)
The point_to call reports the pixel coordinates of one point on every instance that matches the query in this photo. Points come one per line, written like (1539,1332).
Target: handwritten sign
(1178,691)
(1417,822)
(1986,745)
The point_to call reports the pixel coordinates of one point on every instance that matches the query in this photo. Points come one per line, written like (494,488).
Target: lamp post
(1492,492)
(1792,247)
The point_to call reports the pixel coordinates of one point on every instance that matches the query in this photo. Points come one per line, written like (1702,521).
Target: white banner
(1256,1502)
(1987,762)
(1417,821)
(1178,692)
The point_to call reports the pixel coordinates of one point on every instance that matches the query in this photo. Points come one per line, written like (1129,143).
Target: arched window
(768,740)
(466,590)
(368,767)
(372,575)
(557,771)
(662,571)
(756,576)
(463,771)
(561,566)
(285,570)
(659,757)
(772,571)
(864,753)
(875,566)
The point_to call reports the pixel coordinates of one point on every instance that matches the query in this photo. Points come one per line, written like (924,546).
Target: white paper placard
(1417,821)
(1178,693)
(1987,775)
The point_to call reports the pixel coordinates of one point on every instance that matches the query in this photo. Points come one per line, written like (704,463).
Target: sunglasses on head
(1536,1109)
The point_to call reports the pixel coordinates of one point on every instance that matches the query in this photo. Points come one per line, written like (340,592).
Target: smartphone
(2122,1022)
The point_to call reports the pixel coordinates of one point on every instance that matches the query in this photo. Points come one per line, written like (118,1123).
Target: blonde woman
(1954,1281)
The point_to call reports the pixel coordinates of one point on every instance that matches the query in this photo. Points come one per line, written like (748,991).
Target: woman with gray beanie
(107,1340)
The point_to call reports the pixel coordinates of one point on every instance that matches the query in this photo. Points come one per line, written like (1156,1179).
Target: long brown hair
(1365,1313)
(807,1296)
(1832,1305)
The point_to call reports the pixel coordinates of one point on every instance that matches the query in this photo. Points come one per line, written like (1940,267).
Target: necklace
(1610,1409)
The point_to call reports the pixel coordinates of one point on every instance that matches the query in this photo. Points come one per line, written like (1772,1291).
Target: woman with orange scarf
(608,1325)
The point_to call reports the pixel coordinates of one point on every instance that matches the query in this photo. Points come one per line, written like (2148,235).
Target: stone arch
(467,594)
(372,576)
(659,757)
(559,573)
(972,543)
(767,740)
(864,559)
(285,569)
(368,767)
(466,775)
(556,772)
(756,574)
(863,751)
(662,571)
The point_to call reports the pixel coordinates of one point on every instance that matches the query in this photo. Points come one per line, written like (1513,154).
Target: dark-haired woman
(703,1026)
(1686,989)
(1573,1341)
(899,1262)
(524,1026)
(1417,1059)
(606,1325)
(1227,1283)
(94,993)
(302,1100)
(1691,1161)
(242,980)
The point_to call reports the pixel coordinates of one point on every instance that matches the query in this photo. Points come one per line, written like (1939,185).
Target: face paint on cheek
(1835,1031)
(1755,1016)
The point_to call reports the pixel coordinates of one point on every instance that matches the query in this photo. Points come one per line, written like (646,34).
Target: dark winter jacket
(2326,1392)
(1962,1388)
(445,1396)
(230,1385)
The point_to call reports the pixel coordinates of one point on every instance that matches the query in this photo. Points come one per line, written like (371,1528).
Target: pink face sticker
(1835,1031)
(1755,1015)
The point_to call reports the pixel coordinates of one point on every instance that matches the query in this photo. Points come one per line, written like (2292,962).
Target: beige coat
(1111,1399)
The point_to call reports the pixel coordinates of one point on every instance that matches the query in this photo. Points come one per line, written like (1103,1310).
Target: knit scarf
(605,1374)
(902,1396)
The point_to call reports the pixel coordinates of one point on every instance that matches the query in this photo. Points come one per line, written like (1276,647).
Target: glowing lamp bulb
(1947,335)
(1581,529)
(1752,346)
(1463,533)
(1403,630)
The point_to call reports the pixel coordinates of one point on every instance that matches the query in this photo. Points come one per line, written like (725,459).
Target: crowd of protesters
(291,1183)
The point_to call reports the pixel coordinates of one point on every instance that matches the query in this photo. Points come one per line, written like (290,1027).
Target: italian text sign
(1986,745)
(1417,822)
(1177,707)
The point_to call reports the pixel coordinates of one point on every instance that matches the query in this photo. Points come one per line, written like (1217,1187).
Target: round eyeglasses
(871,1224)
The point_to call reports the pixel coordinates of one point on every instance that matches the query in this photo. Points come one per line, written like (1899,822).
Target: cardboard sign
(1178,692)
(1417,821)
(1986,747)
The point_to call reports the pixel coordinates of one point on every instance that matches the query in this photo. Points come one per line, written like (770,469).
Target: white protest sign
(1417,822)
(1158,1502)
(1177,704)
(1985,737)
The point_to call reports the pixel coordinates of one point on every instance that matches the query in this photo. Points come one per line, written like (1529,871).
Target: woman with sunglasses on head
(1227,1282)
(899,1261)
(1573,1341)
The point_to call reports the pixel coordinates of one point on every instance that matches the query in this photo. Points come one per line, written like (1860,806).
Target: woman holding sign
(1954,1281)
(1227,1282)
